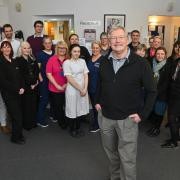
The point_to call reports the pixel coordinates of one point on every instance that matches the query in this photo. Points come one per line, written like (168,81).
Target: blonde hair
(25,43)
(61,43)
(158,37)
(96,42)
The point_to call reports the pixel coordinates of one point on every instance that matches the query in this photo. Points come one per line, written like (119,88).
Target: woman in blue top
(93,66)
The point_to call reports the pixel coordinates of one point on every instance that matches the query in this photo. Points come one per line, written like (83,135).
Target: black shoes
(153,132)
(169,144)
(19,141)
(77,133)
(73,134)
(80,132)
(63,126)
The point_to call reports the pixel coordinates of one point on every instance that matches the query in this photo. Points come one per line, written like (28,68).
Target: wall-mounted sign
(90,35)
(90,23)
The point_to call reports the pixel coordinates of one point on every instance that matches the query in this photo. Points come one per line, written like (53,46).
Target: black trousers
(174,124)
(29,102)
(156,120)
(14,108)
(74,123)
(94,120)
(58,104)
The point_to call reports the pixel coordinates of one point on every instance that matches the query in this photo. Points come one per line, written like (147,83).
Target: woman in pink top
(57,81)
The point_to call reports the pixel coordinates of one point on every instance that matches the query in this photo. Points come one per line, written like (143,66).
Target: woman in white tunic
(77,103)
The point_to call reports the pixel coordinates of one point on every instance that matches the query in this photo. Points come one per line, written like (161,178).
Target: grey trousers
(119,139)
(2,112)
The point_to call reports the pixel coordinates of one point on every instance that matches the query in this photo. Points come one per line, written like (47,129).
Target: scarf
(156,68)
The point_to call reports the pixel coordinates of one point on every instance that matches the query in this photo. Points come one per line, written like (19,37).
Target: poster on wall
(90,35)
(113,20)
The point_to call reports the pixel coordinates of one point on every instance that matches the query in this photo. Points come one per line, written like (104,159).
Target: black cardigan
(120,94)
(84,54)
(30,71)
(10,77)
(174,85)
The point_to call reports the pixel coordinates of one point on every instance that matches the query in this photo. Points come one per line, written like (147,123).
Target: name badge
(62,73)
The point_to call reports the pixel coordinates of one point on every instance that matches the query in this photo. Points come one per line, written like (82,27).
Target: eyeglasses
(115,38)
(61,48)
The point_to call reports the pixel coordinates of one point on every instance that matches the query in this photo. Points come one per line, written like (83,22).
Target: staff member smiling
(57,81)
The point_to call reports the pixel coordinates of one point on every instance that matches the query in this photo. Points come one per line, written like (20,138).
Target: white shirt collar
(5,39)
(38,35)
(126,57)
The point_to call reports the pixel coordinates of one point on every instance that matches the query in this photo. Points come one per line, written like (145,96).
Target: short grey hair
(117,28)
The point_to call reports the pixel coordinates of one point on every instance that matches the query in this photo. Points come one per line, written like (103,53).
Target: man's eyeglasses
(115,38)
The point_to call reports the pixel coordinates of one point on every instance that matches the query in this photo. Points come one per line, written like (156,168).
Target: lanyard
(60,63)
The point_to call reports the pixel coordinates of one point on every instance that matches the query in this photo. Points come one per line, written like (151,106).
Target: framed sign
(113,20)
(90,35)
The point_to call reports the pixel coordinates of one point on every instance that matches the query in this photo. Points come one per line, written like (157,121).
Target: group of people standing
(166,75)
(36,73)
(124,82)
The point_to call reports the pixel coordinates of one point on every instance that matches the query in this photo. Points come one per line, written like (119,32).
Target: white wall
(137,12)
(4,16)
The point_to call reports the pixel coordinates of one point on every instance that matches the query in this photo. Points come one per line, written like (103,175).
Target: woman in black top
(84,53)
(158,67)
(173,72)
(12,89)
(30,72)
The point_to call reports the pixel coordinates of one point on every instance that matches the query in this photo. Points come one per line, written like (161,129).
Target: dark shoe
(20,141)
(73,134)
(27,128)
(167,125)
(93,130)
(80,133)
(63,126)
(53,120)
(43,125)
(150,131)
(168,140)
(22,138)
(169,144)
(34,125)
(154,133)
